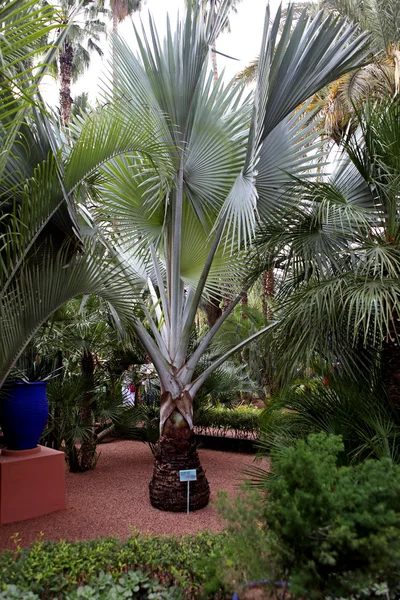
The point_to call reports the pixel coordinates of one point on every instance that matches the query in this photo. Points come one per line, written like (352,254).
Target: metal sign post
(189,475)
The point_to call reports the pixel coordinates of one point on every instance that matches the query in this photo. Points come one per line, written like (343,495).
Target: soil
(114,498)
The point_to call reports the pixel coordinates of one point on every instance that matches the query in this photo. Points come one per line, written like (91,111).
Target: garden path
(114,497)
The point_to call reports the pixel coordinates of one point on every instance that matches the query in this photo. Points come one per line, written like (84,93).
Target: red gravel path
(114,497)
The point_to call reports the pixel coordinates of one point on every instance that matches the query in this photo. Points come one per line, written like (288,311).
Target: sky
(242,43)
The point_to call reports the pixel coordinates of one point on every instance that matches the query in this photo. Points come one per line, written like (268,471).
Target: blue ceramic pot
(23,414)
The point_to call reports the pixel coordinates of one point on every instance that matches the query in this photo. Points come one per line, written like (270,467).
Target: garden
(199,320)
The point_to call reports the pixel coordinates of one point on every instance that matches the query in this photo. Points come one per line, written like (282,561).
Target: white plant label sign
(188,475)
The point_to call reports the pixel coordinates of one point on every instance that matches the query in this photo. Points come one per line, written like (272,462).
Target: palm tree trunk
(268,292)
(66,60)
(115,7)
(213,312)
(244,302)
(83,458)
(214,62)
(87,454)
(390,368)
(176,450)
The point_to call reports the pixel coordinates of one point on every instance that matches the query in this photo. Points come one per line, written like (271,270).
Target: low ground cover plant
(55,570)
(134,585)
(330,531)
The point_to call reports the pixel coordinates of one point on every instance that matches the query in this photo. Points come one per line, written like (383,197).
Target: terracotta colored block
(32,483)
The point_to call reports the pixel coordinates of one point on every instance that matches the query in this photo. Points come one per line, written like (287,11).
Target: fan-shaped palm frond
(340,254)
(224,171)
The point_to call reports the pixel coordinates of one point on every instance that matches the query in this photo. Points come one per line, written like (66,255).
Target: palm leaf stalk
(190,238)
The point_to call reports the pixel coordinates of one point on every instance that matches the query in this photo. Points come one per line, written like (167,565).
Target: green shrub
(49,568)
(242,421)
(330,531)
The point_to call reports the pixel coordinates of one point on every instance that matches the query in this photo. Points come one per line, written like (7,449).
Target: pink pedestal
(32,483)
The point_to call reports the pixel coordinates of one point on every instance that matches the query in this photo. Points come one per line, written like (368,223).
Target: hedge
(242,422)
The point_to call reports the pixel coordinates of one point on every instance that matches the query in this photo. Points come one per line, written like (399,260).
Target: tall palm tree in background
(212,6)
(84,34)
(379,17)
(120,9)
(189,235)
(381,77)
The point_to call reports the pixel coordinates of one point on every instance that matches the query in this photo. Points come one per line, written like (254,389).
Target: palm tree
(120,9)
(213,8)
(84,34)
(84,333)
(340,251)
(379,78)
(381,18)
(188,235)
(45,258)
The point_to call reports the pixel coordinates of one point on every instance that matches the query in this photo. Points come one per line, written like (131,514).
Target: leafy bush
(135,585)
(243,421)
(48,568)
(330,531)
(360,415)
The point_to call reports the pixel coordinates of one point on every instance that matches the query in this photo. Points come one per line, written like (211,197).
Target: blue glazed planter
(23,414)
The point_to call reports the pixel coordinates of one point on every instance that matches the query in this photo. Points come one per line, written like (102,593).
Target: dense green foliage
(362,416)
(330,531)
(48,568)
(243,422)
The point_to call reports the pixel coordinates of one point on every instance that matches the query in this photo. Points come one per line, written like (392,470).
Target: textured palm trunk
(115,16)
(268,292)
(84,458)
(66,59)
(88,446)
(390,366)
(244,302)
(175,451)
(213,312)
(214,63)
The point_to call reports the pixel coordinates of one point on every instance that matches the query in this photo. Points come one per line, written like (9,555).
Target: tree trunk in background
(84,458)
(66,59)
(214,54)
(390,368)
(176,450)
(244,302)
(115,16)
(268,292)
(214,62)
(213,312)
